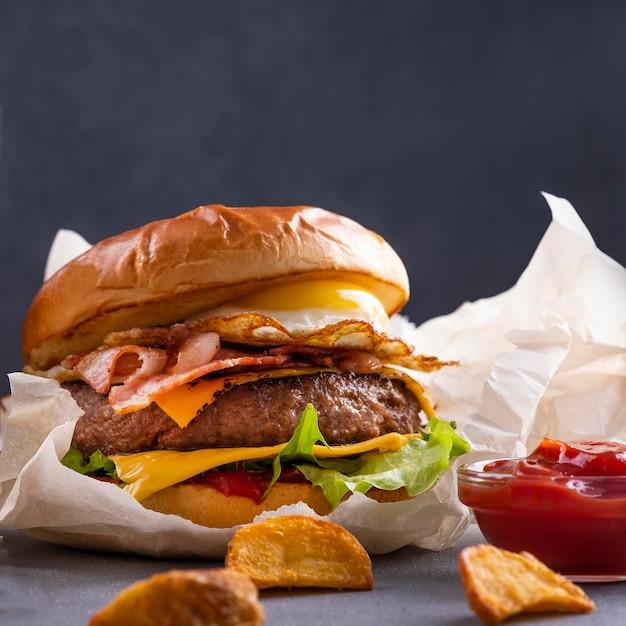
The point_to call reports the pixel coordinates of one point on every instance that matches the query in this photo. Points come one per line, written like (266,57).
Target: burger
(230,361)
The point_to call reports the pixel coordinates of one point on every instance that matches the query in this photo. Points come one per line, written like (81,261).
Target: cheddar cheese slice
(183,403)
(148,472)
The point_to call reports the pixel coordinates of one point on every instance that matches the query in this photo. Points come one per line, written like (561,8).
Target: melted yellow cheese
(148,472)
(183,403)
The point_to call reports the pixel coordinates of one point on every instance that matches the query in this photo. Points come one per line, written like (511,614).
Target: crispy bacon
(196,350)
(157,360)
(346,360)
(132,397)
(133,374)
(102,368)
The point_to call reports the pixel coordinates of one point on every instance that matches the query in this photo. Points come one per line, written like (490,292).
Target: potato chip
(300,551)
(201,597)
(500,584)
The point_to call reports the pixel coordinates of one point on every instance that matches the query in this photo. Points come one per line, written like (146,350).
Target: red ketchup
(247,484)
(565,503)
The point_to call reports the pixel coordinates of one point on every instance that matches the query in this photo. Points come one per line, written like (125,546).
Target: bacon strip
(196,351)
(102,368)
(347,360)
(132,397)
(133,375)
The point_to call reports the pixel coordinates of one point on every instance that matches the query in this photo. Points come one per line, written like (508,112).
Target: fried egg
(324,313)
(308,305)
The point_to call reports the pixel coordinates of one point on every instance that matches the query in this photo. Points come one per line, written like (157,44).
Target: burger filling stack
(232,360)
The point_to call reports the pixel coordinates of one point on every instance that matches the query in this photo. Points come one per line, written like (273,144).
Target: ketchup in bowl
(565,503)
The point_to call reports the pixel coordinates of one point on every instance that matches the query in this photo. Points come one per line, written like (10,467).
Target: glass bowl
(576,525)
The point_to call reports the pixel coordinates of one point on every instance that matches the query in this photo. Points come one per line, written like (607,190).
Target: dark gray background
(435,123)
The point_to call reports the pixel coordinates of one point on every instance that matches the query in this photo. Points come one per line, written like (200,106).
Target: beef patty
(351,407)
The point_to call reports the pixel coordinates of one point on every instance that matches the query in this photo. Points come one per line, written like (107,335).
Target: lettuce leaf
(416,466)
(299,449)
(98,465)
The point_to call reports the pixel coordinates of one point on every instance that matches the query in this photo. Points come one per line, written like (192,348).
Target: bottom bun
(207,506)
(380,495)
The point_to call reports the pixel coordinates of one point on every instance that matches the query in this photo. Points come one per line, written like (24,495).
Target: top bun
(170,270)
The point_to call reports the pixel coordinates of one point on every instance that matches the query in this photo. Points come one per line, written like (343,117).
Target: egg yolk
(335,298)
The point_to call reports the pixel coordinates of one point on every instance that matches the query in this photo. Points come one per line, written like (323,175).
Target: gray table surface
(42,583)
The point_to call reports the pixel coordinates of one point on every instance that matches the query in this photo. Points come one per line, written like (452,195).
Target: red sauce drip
(241,482)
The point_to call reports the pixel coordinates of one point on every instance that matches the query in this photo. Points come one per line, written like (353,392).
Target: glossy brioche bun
(170,270)
(207,506)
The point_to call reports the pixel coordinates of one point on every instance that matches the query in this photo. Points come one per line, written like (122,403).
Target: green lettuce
(416,466)
(97,465)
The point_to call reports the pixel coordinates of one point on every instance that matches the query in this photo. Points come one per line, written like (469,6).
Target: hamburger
(233,360)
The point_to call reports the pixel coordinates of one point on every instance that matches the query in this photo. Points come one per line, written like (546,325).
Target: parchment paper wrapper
(547,357)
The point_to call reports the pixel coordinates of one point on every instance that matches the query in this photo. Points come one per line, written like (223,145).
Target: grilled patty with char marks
(351,408)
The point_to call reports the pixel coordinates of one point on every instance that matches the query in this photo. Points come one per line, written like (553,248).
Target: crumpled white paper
(546,357)
(551,351)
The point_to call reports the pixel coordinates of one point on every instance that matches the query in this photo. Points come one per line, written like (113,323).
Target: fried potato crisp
(300,551)
(500,584)
(202,597)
